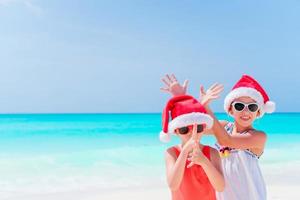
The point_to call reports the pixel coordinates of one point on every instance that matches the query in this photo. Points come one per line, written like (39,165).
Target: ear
(258,113)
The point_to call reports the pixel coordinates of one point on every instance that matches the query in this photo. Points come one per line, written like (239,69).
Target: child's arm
(215,177)
(210,131)
(175,166)
(216,161)
(211,168)
(207,96)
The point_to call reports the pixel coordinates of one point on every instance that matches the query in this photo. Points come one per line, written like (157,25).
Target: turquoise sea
(49,153)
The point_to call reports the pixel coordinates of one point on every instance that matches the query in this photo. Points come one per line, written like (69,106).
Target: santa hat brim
(190,119)
(252,93)
(186,120)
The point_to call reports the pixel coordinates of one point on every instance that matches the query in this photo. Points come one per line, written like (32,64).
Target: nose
(246,110)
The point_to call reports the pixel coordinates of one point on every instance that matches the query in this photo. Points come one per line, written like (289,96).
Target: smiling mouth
(245,118)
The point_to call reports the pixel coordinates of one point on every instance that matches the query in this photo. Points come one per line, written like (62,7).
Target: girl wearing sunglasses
(239,144)
(193,170)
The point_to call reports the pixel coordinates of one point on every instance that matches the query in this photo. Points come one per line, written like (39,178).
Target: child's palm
(212,93)
(173,86)
(197,157)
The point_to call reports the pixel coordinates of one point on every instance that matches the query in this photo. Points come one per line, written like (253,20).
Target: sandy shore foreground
(278,192)
(283,183)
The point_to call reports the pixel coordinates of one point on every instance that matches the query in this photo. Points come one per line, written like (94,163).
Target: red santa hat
(185,110)
(249,87)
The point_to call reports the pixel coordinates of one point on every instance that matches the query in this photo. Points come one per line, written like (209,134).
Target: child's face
(244,117)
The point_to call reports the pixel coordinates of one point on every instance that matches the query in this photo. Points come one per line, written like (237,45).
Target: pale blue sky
(109,56)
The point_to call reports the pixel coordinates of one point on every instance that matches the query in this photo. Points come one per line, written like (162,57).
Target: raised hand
(188,146)
(196,156)
(212,93)
(173,86)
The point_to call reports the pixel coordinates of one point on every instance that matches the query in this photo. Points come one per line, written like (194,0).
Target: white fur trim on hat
(190,119)
(164,137)
(269,107)
(244,92)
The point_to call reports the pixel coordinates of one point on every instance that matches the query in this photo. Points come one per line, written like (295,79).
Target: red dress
(195,184)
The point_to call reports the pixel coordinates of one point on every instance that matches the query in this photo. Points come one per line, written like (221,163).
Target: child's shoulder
(172,150)
(172,153)
(258,133)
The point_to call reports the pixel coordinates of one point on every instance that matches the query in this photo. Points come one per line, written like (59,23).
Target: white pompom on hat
(185,110)
(249,87)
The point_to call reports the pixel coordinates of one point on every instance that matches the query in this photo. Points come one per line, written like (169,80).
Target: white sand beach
(275,192)
(283,183)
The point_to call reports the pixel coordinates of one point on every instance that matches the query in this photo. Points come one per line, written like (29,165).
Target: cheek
(235,114)
(254,115)
(231,112)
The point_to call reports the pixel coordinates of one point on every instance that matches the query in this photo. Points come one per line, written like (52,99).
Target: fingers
(217,92)
(194,147)
(213,86)
(216,88)
(169,78)
(202,91)
(190,164)
(193,156)
(194,135)
(219,87)
(185,84)
(166,82)
(165,89)
(215,96)
(173,77)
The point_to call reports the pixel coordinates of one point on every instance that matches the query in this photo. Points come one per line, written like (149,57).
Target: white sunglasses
(240,106)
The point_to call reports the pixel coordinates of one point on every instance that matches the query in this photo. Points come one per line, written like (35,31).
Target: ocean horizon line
(110,113)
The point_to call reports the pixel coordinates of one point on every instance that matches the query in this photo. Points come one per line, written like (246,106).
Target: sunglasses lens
(200,128)
(183,130)
(239,106)
(253,107)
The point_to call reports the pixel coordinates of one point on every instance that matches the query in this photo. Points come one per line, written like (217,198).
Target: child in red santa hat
(193,170)
(239,143)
